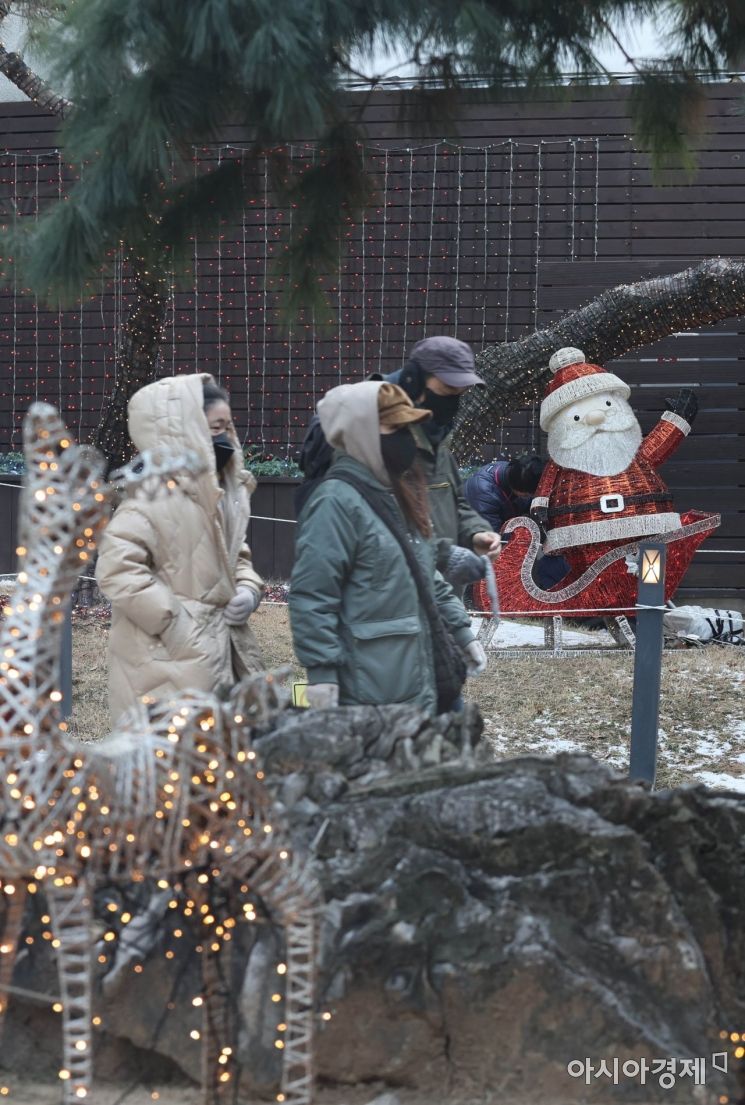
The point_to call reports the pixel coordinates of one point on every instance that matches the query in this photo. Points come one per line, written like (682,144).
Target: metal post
(65,665)
(645,704)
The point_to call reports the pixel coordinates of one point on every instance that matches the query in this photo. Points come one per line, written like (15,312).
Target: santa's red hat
(573,379)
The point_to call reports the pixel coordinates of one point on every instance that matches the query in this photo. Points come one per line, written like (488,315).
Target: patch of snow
(618,756)
(722,782)
(737,732)
(513,634)
(499,741)
(554,745)
(711,748)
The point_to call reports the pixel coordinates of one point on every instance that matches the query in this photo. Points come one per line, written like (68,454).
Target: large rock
(485,923)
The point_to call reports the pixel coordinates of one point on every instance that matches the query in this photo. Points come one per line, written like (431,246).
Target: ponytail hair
(410,490)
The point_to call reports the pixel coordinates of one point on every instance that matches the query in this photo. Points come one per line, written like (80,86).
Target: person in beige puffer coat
(177,569)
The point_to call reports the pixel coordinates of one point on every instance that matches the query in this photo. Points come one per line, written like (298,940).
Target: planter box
(273,543)
(10,494)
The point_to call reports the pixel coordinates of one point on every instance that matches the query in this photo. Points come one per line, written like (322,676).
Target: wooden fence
(527,211)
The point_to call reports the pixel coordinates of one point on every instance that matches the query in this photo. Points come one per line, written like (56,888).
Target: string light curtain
(449,245)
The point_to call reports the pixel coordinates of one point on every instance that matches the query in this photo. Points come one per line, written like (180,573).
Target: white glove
(475,659)
(322,696)
(242,605)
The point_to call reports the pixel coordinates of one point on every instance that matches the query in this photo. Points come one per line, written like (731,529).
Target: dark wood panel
(604,273)
(706,576)
(9,496)
(732,533)
(706,473)
(708,142)
(638,224)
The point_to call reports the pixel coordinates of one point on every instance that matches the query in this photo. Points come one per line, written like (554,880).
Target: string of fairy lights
(451,243)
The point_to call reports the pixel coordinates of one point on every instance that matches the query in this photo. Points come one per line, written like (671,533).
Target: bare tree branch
(23,77)
(617,322)
(18,73)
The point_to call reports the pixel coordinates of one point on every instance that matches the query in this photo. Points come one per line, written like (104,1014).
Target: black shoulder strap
(391,523)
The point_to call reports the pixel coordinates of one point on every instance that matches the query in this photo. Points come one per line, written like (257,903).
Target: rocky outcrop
(486,924)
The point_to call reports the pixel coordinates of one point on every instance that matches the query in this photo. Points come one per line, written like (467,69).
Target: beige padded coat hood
(171,565)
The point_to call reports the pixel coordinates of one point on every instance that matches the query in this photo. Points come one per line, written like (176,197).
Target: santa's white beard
(599,450)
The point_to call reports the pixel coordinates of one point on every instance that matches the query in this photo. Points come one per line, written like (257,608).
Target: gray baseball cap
(449,359)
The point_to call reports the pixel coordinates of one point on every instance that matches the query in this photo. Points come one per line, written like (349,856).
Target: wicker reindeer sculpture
(174,792)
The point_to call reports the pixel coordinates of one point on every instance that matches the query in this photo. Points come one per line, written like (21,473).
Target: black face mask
(399,451)
(224,449)
(444,407)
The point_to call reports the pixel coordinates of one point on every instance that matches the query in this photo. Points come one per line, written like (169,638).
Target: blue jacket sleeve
(486,498)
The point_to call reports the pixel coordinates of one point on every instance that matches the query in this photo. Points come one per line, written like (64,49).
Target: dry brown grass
(538,706)
(584,703)
(90,719)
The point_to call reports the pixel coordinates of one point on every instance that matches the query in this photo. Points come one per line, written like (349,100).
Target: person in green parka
(360,624)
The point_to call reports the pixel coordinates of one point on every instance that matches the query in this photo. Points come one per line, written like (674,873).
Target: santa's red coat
(586,510)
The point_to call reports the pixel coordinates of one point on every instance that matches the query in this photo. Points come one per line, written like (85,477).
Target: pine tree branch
(618,321)
(143,329)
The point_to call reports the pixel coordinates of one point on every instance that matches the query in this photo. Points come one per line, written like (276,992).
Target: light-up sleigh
(606,589)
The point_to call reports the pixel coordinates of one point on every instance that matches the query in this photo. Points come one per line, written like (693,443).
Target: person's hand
(475,659)
(241,606)
(322,696)
(463,567)
(487,543)
(685,405)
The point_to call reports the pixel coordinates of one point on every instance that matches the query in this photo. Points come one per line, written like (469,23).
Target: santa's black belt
(612,504)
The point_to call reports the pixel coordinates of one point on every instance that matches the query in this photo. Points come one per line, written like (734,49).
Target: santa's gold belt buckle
(611,504)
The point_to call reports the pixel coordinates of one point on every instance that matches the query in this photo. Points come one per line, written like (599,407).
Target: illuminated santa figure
(601,487)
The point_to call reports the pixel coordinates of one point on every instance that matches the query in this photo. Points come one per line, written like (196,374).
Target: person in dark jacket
(361,625)
(439,370)
(504,489)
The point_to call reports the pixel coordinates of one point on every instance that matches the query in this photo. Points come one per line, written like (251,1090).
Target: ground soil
(533,705)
